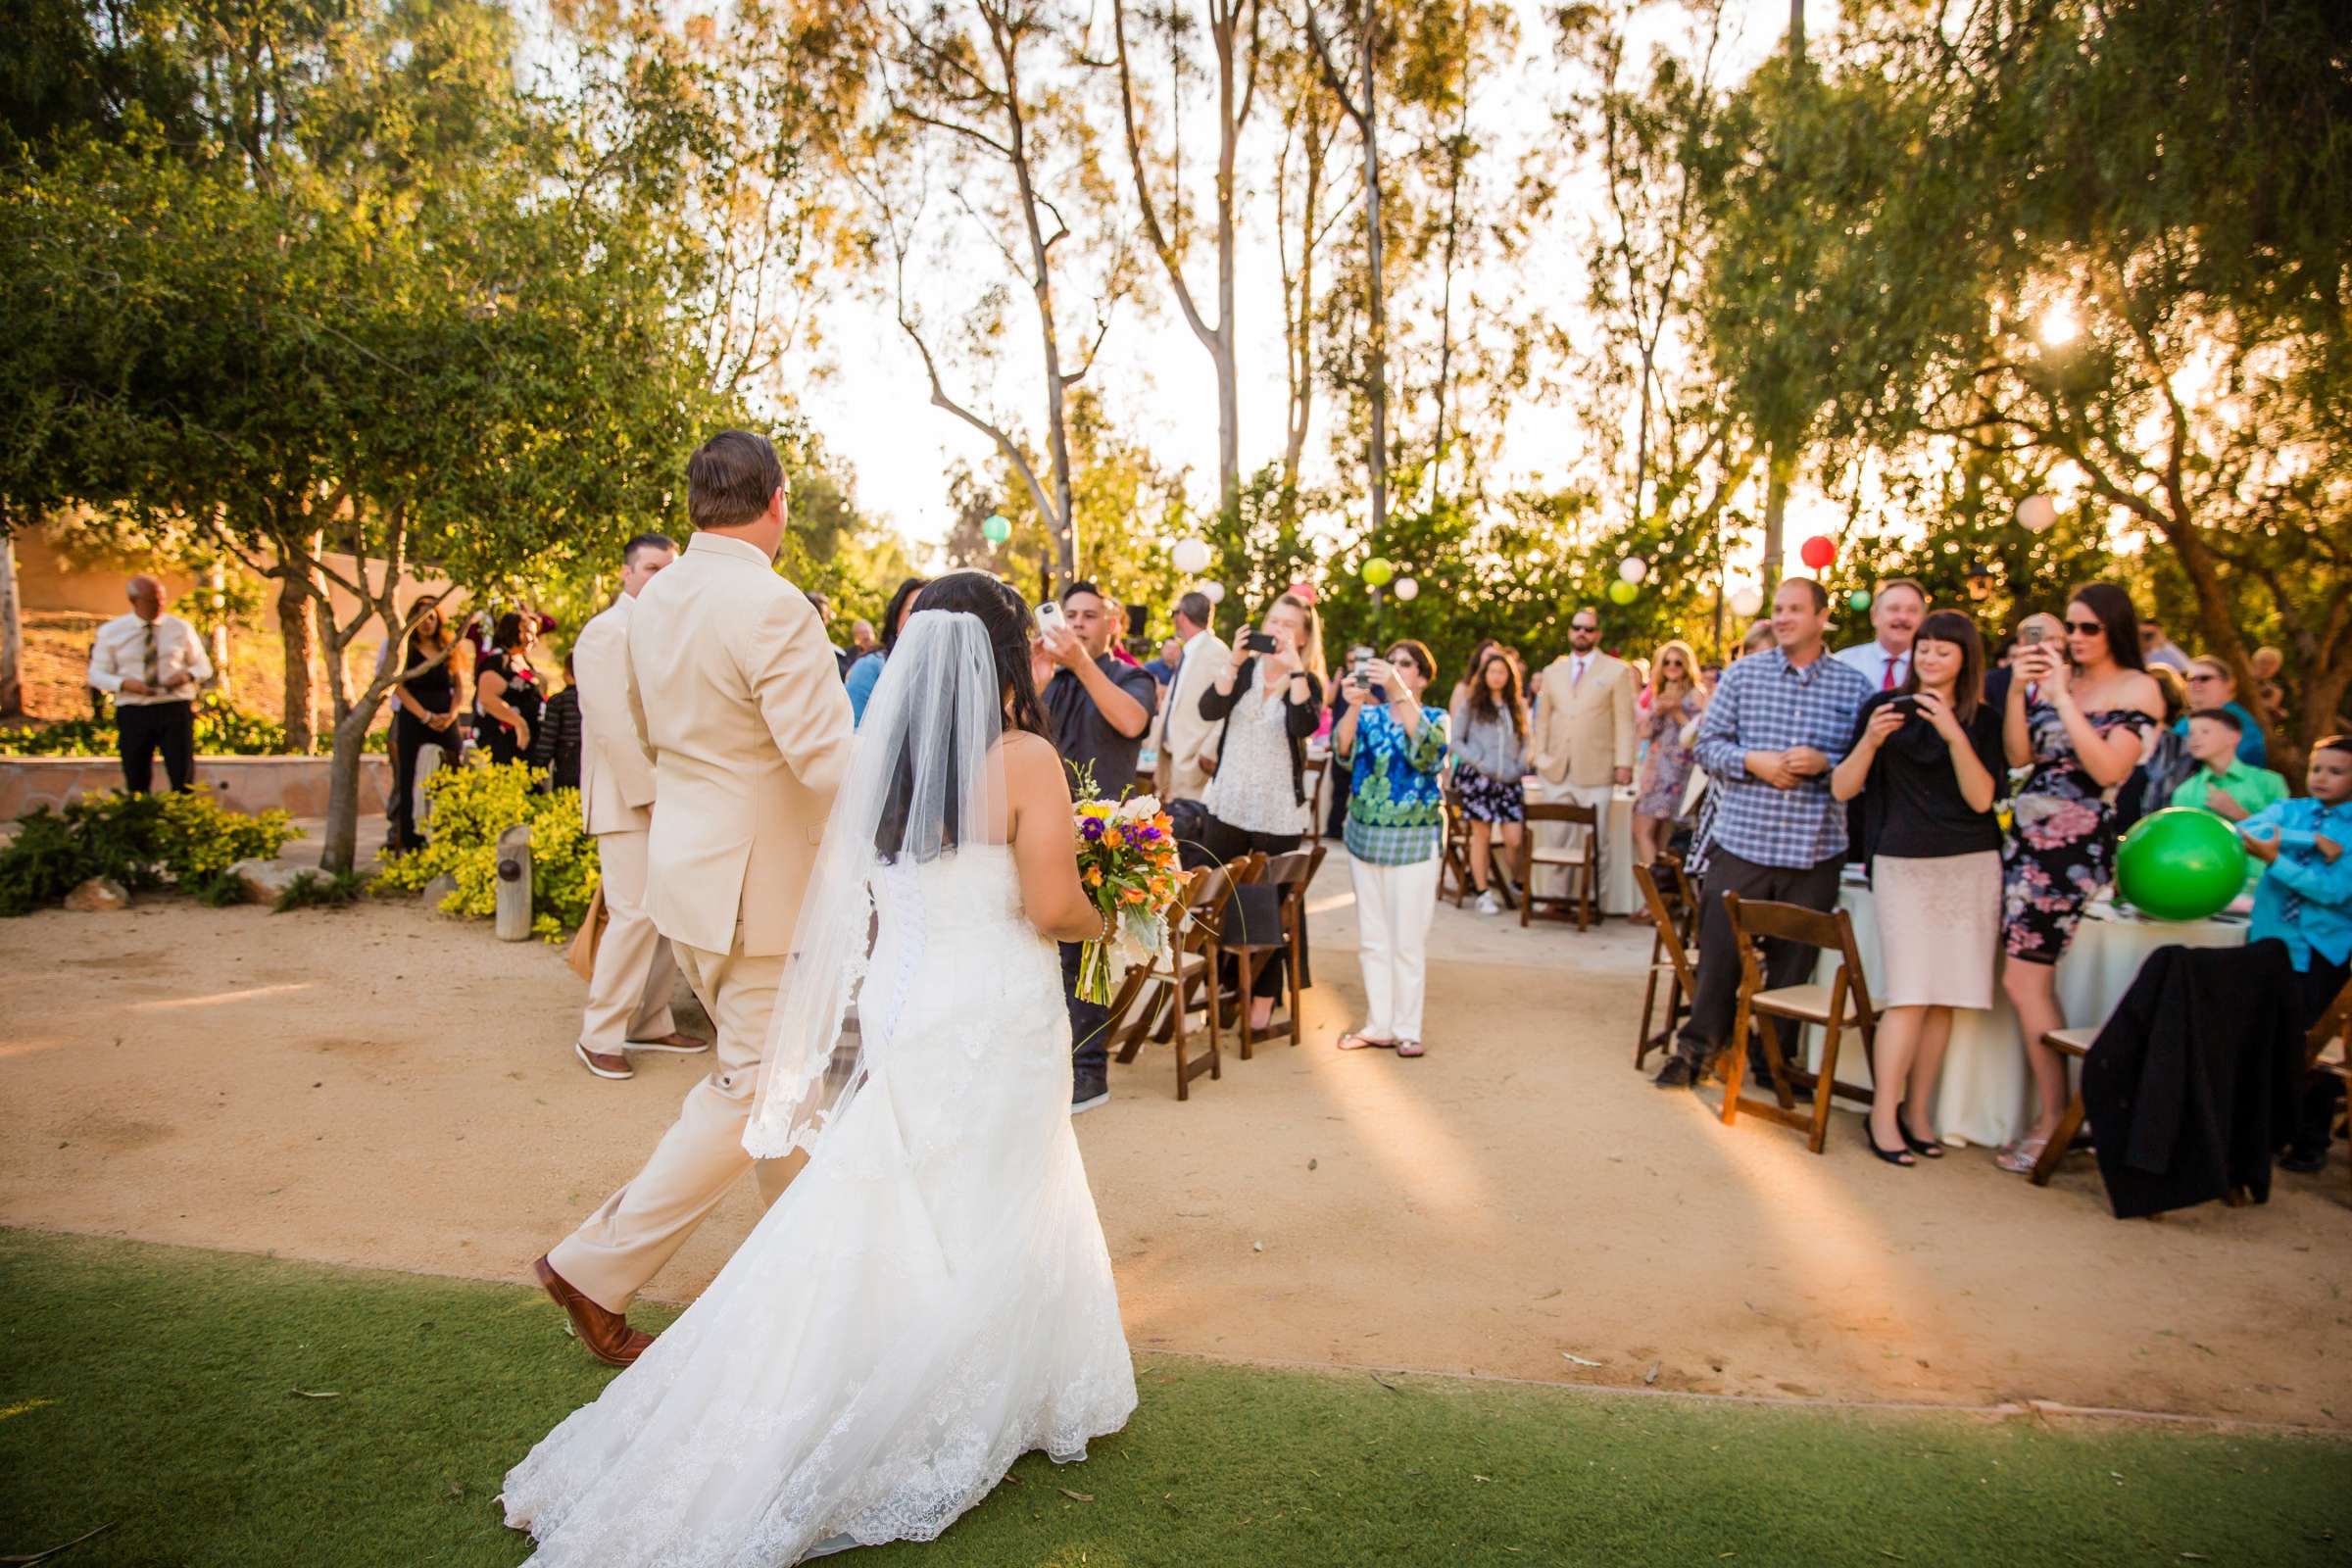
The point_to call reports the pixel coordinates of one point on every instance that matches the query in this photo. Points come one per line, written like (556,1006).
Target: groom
(733,690)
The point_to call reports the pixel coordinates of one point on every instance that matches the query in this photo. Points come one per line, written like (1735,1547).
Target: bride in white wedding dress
(932,1298)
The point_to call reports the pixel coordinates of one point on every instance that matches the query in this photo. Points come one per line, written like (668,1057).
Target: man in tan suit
(733,691)
(628,993)
(1582,745)
(1184,736)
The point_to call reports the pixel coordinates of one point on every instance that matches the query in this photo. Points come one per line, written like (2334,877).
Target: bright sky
(871,402)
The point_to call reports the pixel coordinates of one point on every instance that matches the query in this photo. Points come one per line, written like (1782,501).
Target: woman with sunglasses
(1677,696)
(1395,828)
(2211,685)
(2080,721)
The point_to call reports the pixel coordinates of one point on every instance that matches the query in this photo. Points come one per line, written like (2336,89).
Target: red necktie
(1887,681)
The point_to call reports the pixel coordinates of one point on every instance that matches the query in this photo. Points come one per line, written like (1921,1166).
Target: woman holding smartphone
(1925,761)
(2078,715)
(1269,697)
(1395,746)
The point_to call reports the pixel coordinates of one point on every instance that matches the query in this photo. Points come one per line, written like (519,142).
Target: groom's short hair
(730,478)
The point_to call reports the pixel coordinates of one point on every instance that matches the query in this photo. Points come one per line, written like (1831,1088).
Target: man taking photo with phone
(1101,709)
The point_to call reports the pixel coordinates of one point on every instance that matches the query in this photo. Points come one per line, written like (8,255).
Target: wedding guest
(1776,725)
(1925,765)
(2224,783)
(2270,697)
(862,640)
(1702,831)
(2156,648)
(2039,626)
(1678,696)
(555,745)
(1461,688)
(1161,665)
(1186,740)
(1395,748)
(2305,901)
(1895,612)
(869,669)
(2211,685)
(1490,729)
(1265,705)
(630,984)
(2078,715)
(2164,759)
(506,691)
(425,705)
(153,665)
(1582,734)
(1099,711)
(1341,784)
(825,618)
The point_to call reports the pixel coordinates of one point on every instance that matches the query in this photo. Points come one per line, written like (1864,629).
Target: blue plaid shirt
(1765,703)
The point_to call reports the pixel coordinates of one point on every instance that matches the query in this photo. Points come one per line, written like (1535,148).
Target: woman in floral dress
(1676,695)
(2081,720)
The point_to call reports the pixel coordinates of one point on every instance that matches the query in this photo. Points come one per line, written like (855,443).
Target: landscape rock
(99,893)
(438,889)
(264,880)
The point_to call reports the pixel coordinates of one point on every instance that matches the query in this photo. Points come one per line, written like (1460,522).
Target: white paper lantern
(1214,592)
(2037,513)
(1405,589)
(1190,556)
(1746,601)
(1633,569)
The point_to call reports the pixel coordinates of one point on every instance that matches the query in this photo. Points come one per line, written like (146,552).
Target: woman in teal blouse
(1395,832)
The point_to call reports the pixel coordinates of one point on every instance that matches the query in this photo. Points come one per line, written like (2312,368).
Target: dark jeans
(411,735)
(2321,1091)
(141,729)
(1089,1021)
(1786,963)
(1225,842)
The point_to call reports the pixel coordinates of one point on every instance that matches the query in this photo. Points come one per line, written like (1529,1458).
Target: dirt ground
(389,1088)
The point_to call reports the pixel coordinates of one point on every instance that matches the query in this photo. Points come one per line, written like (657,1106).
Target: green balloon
(2180,863)
(997,528)
(1377,571)
(1859,599)
(1622,592)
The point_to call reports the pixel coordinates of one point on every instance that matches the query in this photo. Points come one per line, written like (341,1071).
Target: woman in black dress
(506,695)
(425,709)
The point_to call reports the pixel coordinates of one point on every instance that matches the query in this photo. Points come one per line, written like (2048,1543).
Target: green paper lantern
(1622,592)
(995,527)
(2180,863)
(1377,571)
(1858,599)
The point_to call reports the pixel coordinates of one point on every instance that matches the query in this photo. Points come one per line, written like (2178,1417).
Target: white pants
(1393,906)
(628,994)
(1552,881)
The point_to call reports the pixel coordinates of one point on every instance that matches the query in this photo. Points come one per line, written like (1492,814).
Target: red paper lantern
(1818,552)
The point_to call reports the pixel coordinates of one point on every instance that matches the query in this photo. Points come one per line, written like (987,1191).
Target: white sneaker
(1489,904)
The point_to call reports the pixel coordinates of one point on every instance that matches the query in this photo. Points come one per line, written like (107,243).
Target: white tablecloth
(1984,1094)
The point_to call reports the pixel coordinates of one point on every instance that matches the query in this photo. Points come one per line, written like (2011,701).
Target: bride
(932,1298)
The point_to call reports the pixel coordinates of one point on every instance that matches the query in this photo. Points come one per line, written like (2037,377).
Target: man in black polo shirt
(1101,711)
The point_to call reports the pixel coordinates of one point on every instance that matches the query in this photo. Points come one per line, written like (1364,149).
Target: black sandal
(1898,1156)
(1924,1147)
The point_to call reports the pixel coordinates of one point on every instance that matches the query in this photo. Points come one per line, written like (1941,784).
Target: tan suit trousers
(628,994)
(625,1242)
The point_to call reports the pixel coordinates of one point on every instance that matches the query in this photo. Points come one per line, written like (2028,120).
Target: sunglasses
(1573,627)
(2206,679)
(2086,628)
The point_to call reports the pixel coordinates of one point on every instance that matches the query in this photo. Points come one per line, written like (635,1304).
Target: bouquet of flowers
(1127,861)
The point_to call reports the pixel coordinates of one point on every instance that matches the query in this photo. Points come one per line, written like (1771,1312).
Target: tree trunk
(298,636)
(1229,396)
(1378,309)
(338,846)
(1775,512)
(12,635)
(215,583)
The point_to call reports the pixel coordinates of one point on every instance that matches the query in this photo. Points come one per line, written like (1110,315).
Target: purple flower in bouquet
(1090,829)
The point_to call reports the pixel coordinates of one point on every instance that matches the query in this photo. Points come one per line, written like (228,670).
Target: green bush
(142,841)
(472,808)
(222,729)
(320,890)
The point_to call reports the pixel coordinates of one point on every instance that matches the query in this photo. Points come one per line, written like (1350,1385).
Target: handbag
(1188,821)
(580,957)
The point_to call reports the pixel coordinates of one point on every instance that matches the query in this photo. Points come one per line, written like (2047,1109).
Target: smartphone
(1258,642)
(1048,618)
(2030,633)
(1908,706)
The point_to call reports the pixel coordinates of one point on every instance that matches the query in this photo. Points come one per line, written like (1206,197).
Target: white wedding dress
(930,1299)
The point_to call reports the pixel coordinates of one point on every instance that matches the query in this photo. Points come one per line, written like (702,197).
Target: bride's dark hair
(1004,616)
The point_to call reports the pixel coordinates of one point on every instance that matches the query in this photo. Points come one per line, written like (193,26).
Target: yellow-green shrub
(472,808)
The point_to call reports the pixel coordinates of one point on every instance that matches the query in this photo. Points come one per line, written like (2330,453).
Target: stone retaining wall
(297,785)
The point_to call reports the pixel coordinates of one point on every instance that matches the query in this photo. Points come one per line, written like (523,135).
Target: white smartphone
(1048,618)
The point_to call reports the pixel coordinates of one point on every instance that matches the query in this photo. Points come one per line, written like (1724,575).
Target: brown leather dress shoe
(607,1335)
(677,1044)
(603,1063)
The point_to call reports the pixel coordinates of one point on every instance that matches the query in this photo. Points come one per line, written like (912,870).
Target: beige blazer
(1585,729)
(616,771)
(1184,735)
(734,692)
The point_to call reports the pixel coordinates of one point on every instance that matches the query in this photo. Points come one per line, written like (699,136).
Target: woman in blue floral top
(1395,831)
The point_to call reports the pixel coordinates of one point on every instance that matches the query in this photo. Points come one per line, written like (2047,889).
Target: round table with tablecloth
(1983,1094)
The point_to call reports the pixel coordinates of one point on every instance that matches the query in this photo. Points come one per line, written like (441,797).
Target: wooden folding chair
(1583,866)
(2075,1044)
(1291,873)
(1844,1003)
(1672,960)
(1188,962)
(1456,863)
(1682,890)
(1311,781)
(2327,1047)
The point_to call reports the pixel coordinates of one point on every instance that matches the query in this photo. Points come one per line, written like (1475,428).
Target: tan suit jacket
(1584,729)
(616,771)
(734,692)
(1184,735)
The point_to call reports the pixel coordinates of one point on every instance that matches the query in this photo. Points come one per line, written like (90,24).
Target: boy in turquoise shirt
(2305,901)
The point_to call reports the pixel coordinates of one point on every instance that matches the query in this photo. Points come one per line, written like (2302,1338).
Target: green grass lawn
(155,1391)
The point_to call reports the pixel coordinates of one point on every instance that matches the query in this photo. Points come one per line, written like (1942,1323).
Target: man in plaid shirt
(1778,723)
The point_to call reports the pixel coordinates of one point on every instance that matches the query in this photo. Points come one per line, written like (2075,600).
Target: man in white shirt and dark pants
(1895,617)
(153,665)
(629,989)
